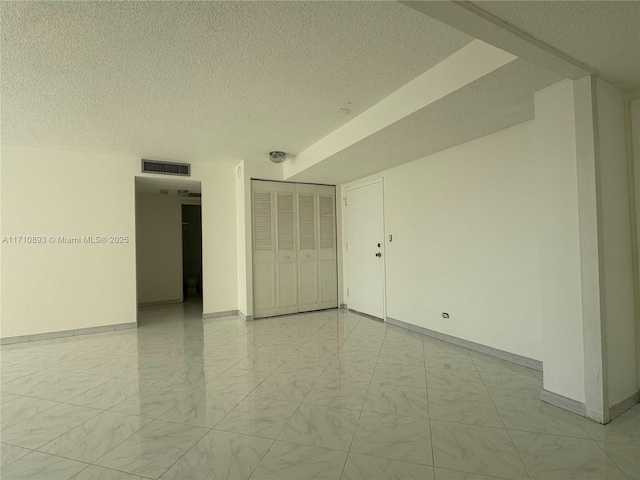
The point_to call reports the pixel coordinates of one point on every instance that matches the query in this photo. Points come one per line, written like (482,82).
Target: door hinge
(347,246)
(347,292)
(345,201)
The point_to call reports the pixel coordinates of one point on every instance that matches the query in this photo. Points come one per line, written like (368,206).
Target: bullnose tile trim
(478,347)
(67,333)
(159,303)
(626,404)
(565,403)
(225,313)
(246,318)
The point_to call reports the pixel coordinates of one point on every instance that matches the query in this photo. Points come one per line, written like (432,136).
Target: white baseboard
(246,318)
(226,313)
(626,404)
(67,333)
(159,303)
(563,402)
(478,347)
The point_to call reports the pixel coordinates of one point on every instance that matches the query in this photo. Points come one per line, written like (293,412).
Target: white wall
(490,232)
(524,237)
(54,287)
(617,244)
(219,236)
(244,290)
(465,242)
(635,139)
(1,236)
(558,237)
(158,248)
(51,288)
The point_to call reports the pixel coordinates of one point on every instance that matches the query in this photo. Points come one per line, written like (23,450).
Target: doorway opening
(192,253)
(168,247)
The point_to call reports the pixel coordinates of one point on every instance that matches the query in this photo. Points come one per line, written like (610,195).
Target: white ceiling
(204,81)
(604,35)
(499,100)
(225,81)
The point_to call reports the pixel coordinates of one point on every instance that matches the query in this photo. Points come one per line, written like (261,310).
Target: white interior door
(294,248)
(365,250)
(264,249)
(286,254)
(307,242)
(327,258)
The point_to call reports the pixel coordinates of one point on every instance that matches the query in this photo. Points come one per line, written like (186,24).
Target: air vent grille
(166,168)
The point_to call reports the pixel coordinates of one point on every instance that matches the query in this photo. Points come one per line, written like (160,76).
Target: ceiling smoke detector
(277,157)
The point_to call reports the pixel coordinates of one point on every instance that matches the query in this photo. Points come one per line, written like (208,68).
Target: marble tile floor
(323,395)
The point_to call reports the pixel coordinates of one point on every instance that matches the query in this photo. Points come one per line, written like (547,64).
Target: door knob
(378,254)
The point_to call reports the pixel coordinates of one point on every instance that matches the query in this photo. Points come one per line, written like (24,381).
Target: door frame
(192,202)
(380,181)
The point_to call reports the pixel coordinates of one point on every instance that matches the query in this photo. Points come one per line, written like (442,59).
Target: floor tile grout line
(30,450)
(301,444)
(471,473)
(63,433)
(432,466)
(87,464)
(524,466)
(298,407)
(611,459)
(401,461)
(52,455)
(262,458)
(119,470)
(353,437)
(31,416)
(313,385)
(257,386)
(78,473)
(83,406)
(426,380)
(84,461)
(185,452)
(309,340)
(573,420)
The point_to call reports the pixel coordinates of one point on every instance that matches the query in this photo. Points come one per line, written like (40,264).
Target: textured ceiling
(604,35)
(497,101)
(204,81)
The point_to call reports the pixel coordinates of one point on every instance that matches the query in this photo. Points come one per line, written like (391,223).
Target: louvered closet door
(327,258)
(264,249)
(286,254)
(308,285)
